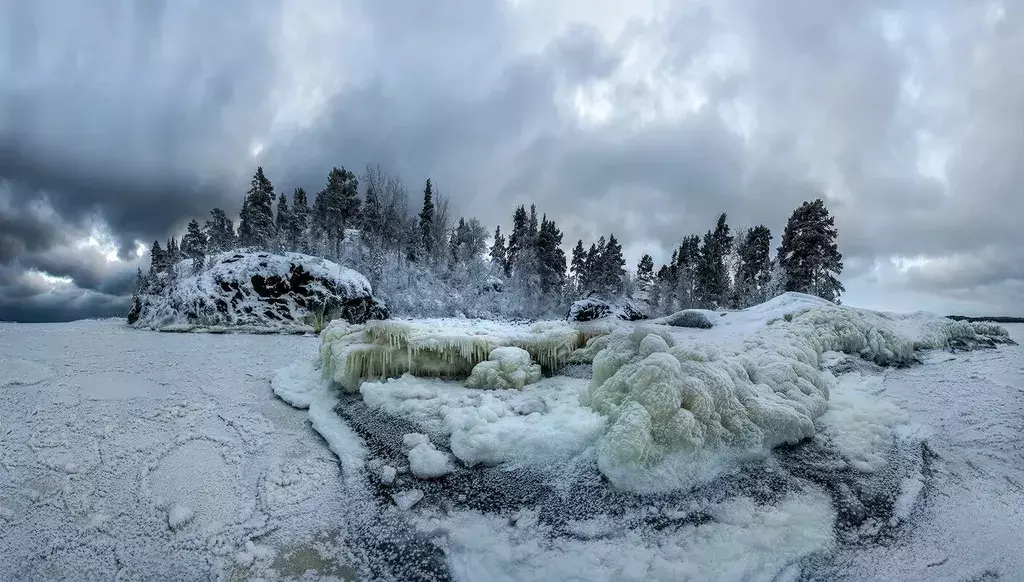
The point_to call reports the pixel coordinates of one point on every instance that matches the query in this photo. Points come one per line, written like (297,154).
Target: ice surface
(299,384)
(439,348)
(506,368)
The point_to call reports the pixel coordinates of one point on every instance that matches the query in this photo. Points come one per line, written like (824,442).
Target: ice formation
(507,367)
(667,399)
(439,348)
(425,461)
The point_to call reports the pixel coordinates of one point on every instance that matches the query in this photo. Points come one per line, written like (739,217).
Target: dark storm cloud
(143,115)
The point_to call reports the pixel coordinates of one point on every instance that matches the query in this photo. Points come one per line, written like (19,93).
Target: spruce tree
(809,255)
(157,259)
(284,224)
(551,257)
(591,269)
(518,239)
(754,270)
(578,266)
(336,208)
(498,255)
(712,286)
(220,232)
(257,228)
(298,233)
(427,220)
(645,273)
(193,245)
(372,216)
(684,266)
(613,267)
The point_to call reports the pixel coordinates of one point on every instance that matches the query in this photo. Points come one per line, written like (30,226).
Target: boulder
(689,318)
(256,291)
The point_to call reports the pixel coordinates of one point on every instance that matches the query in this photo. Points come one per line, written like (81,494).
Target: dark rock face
(689,318)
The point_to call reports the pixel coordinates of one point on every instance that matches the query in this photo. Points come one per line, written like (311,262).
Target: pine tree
(157,259)
(578,266)
(551,257)
(613,267)
(712,275)
(257,228)
(427,220)
(754,270)
(809,255)
(518,239)
(140,284)
(220,232)
(498,254)
(193,245)
(684,269)
(532,227)
(284,224)
(645,273)
(298,233)
(372,216)
(335,209)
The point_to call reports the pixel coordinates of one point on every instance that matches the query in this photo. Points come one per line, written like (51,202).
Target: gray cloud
(900,114)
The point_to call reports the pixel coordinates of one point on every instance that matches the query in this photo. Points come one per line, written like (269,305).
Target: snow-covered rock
(438,348)
(591,308)
(695,318)
(256,291)
(507,367)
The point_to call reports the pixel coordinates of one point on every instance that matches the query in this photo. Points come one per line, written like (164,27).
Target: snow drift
(438,348)
(670,404)
(256,292)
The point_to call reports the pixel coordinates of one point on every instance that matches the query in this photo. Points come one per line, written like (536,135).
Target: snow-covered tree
(712,274)
(754,269)
(193,245)
(256,227)
(645,274)
(335,209)
(426,224)
(220,232)
(517,240)
(284,224)
(298,227)
(578,266)
(551,257)
(498,251)
(809,255)
(612,267)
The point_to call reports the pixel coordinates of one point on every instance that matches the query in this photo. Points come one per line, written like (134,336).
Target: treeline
(431,263)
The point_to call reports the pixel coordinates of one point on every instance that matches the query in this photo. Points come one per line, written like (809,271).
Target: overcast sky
(121,120)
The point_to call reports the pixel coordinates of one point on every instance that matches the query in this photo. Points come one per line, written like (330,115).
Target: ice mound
(671,401)
(506,368)
(437,348)
(425,461)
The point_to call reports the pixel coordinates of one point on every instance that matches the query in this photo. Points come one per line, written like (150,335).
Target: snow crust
(191,302)
(506,368)
(439,348)
(670,402)
(745,541)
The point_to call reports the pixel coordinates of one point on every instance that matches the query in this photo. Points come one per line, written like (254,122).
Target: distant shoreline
(994,319)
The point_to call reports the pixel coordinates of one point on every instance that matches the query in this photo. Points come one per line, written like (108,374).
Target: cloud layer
(120,121)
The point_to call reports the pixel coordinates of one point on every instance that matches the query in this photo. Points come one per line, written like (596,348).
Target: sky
(121,120)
